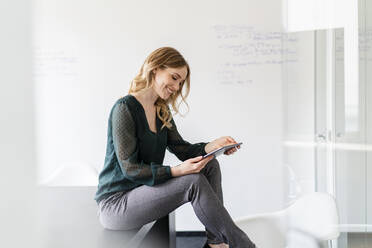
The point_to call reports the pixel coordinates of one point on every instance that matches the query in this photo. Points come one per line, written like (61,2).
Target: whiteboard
(85,55)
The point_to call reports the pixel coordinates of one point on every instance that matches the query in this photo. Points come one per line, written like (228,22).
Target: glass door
(327,109)
(343,126)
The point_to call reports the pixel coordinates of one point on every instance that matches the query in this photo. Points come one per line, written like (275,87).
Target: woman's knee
(213,166)
(214,163)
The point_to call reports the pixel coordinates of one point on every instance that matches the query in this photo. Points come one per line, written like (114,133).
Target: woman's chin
(165,97)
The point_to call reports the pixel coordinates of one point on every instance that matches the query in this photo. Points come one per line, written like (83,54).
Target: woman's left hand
(220,142)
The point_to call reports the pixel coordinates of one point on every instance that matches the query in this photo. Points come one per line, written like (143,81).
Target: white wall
(86,55)
(303,15)
(17,143)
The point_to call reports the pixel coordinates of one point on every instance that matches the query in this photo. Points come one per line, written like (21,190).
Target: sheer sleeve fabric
(126,149)
(182,148)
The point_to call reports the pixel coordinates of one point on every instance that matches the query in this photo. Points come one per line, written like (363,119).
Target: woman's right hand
(190,166)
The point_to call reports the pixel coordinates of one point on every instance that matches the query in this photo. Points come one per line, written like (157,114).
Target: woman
(134,187)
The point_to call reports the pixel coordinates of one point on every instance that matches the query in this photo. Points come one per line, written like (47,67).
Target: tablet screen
(221,150)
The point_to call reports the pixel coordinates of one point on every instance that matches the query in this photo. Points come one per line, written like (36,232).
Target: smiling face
(169,80)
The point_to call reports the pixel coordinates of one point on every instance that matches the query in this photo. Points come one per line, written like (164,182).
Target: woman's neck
(147,96)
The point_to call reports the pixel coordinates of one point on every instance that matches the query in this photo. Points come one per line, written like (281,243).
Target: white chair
(312,215)
(297,239)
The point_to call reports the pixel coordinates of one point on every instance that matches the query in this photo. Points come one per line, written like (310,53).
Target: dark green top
(134,154)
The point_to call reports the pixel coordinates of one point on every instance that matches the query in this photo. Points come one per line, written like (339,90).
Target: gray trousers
(141,205)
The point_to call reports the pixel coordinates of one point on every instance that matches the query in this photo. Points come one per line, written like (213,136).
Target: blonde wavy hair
(164,57)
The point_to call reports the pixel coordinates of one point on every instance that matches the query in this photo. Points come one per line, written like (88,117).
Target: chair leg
(326,244)
(332,244)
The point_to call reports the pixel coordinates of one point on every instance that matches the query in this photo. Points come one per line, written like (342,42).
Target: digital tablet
(221,150)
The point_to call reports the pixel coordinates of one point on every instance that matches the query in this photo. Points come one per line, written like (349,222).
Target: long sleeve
(126,149)
(180,147)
